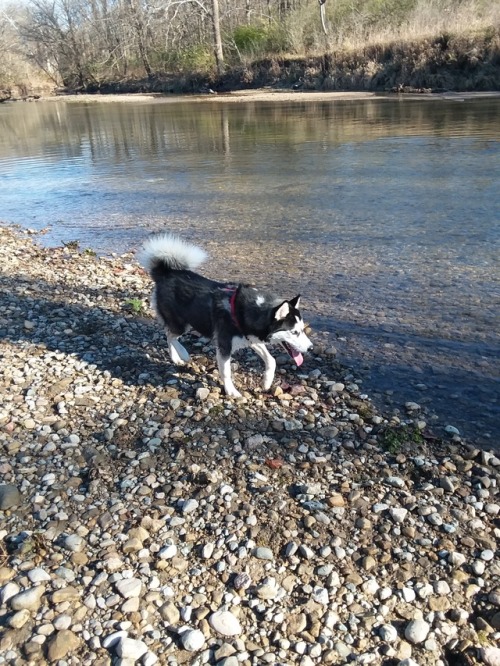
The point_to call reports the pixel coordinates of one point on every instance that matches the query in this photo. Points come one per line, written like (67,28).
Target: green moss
(393,438)
(134,305)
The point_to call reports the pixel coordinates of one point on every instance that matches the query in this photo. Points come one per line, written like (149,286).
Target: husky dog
(233,315)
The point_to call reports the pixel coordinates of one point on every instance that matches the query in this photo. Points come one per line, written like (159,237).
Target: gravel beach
(145,518)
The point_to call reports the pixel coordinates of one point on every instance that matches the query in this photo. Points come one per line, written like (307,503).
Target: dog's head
(288,328)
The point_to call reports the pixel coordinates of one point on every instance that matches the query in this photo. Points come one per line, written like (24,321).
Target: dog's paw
(268,380)
(267,383)
(233,393)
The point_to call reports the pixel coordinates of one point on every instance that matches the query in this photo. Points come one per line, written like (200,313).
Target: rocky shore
(145,518)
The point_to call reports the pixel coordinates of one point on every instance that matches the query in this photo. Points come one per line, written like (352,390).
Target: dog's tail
(166,251)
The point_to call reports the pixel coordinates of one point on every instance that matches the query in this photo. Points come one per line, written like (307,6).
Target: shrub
(260,39)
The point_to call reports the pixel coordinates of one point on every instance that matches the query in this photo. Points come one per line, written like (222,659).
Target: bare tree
(219,54)
(322,14)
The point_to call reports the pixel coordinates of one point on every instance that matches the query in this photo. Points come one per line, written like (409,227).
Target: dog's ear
(282,310)
(295,302)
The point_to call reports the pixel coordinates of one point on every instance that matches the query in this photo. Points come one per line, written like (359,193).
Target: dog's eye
(295,332)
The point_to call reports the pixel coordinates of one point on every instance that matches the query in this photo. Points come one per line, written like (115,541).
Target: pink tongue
(297,357)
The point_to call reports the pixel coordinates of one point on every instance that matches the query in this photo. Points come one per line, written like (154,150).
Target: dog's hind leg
(224,365)
(270,364)
(178,353)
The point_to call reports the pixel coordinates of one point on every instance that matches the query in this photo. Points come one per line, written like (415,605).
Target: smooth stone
(149,659)
(61,644)
(228,661)
(38,575)
(456,559)
(189,506)
(263,553)
(65,594)
(267,590)
(8,591)
(74,543)
(19,619)
(129,587)
(29,599)
(398,514)
(130,648)
(417,631)
(9,496)
(202,393)
(225,623)
(192,640)
(490,656)
(169,613)
(494,596)
(112,639)
(388,633)
(168,552)
(62,622)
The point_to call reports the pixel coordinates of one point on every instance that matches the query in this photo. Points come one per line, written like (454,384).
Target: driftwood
(5,95)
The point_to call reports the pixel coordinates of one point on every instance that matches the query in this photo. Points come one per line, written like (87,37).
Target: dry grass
(354,26)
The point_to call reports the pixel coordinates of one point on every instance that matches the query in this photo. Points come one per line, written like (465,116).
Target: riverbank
(263,95)
(460,62)
(145,516)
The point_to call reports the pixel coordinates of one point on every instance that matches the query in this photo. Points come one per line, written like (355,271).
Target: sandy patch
(266,95)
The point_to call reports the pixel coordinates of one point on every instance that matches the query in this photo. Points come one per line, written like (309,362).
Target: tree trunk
(323,16)
(219,54)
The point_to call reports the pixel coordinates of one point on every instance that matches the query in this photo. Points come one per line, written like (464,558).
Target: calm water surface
(384,214)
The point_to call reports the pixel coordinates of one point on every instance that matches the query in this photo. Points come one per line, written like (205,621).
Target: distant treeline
(162,45)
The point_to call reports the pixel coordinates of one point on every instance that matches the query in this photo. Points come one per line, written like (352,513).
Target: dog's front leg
(224,364)
(270,364)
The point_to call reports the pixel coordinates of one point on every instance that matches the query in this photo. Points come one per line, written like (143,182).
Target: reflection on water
(384,213)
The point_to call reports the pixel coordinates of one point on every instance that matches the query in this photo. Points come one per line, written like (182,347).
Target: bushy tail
(170,252)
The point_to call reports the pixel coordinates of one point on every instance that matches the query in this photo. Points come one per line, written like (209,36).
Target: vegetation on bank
(192,45)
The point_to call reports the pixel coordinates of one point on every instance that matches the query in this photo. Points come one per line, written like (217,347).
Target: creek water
(383,213)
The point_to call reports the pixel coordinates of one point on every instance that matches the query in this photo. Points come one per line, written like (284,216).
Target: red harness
(232,292)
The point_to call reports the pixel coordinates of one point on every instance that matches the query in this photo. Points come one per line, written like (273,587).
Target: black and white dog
(233,315)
